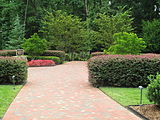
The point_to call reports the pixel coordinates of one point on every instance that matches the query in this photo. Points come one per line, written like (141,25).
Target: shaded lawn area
(126,96)
(7,95)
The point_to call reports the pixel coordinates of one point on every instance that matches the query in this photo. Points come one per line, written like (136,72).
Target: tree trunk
(86,7)
(25,14)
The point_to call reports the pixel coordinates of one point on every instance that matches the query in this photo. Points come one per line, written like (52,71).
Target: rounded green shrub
(35,45)
(126,43)
(153,93)
(10,66)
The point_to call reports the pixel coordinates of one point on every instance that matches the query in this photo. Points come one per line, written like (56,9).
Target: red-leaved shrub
(41,63)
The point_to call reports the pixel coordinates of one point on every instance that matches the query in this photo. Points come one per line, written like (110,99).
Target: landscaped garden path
(63,93)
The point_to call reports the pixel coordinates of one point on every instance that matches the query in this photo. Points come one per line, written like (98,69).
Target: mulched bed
(152,112)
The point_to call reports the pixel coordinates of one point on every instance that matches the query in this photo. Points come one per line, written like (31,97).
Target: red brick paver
(63,93)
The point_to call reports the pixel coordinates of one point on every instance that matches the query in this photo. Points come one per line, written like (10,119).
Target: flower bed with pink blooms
(38,63)
(122,70)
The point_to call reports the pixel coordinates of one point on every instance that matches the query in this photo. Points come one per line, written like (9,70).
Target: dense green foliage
(153,88)
(35,45)
(100,18)
(126,96)
(151,35)
(122,70)
(126,43)
(64,32)
(107,26)
(12,67)
(57,60)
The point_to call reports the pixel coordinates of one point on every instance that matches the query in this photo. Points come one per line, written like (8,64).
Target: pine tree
(16,35)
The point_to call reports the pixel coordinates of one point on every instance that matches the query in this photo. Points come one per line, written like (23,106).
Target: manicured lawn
(126,96)
(7,94)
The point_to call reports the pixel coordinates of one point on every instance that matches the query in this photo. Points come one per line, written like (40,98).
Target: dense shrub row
(7,52)
(36,63)
(57,60)
(122,70)
(47,53)
(56,53)
(10,66)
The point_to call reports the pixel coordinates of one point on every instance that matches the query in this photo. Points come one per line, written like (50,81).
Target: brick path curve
(63,93)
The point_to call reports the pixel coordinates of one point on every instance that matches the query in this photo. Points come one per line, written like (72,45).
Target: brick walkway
(63,93)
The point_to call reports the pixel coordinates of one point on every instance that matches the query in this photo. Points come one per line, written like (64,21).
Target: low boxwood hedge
(57,60)
(10,66)
(56,53)
(7,52)
(122,70)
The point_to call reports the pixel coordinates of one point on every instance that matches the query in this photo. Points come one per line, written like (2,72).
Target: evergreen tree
(16,35)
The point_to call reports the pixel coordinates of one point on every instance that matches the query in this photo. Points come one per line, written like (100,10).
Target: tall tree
(16,35)
(8,12)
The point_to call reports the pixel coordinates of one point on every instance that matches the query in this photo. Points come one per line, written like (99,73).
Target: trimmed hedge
(56,53)
(11,66)
(122,70)
(57,60)
(97,53)
(7,52)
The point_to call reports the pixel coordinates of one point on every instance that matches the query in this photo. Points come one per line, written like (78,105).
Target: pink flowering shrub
(122,70)
(41,63)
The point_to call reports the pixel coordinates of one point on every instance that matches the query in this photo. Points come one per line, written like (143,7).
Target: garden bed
(149,111)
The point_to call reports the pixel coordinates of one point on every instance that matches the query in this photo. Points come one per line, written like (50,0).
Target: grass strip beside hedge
(126,96)
(7,94)
(11,66)
(122,70)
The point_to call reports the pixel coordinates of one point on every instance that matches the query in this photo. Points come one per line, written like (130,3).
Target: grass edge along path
(7,95)
(126,96)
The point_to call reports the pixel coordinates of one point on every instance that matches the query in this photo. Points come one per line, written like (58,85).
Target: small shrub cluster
(96,53)
(10,66)
(122,70)
(35,63)
(57,60)
(56,53)
(153,93)
(7,52)
(35,45)
(83,56)
(127,43)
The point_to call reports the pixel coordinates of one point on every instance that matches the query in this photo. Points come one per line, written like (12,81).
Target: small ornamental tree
(126,43)
(35,45)
(153,93)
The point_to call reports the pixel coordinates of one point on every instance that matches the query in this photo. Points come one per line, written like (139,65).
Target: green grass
(126,96)
(7,94)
